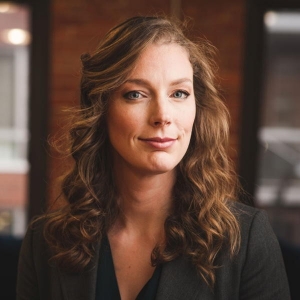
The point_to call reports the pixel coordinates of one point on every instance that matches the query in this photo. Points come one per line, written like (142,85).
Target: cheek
(189,118)
(121,123)
(186,128)
(114,122)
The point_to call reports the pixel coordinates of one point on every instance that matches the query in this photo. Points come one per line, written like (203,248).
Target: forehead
(168,58)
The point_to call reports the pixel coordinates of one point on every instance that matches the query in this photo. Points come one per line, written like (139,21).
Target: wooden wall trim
(38,105)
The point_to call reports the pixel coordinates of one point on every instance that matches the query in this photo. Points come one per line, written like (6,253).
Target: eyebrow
(146,82)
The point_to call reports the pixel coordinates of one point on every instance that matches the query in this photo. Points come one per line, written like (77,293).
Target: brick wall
(78,25)
(13,190)
(223,23)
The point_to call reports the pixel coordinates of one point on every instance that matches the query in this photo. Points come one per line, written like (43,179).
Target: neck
(144,201)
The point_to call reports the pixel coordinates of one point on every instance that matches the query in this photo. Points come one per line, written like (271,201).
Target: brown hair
(202,222)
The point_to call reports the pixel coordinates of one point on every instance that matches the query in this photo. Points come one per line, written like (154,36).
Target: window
(14,166)
(279,132)
(270,136)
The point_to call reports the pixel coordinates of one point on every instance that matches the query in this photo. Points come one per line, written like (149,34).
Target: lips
(159,143)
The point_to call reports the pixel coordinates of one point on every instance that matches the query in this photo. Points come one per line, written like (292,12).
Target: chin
(162,168)
(162,164)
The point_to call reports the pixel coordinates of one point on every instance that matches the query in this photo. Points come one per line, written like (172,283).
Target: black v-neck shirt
(107,285)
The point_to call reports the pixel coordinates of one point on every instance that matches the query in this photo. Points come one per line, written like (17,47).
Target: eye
(132,95)
(180,94)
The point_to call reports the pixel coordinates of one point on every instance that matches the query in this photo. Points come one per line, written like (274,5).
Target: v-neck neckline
(107,285)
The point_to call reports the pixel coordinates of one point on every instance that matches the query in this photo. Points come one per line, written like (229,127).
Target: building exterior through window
(14,166)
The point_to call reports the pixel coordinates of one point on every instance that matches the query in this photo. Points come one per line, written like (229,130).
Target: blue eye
(133,95)
(180,94)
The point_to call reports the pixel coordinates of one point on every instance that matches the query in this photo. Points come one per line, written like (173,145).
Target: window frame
(38,104)
(252,90)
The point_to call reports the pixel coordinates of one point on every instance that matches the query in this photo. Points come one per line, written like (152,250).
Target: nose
(161,112)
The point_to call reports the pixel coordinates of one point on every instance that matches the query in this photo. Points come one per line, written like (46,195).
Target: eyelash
(185,93)
(129,95)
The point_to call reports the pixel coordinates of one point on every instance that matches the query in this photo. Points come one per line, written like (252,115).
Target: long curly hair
(202,222)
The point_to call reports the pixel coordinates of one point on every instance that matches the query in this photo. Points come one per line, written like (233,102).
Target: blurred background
(258,44)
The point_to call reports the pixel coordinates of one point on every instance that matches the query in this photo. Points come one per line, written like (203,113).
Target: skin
(150,121)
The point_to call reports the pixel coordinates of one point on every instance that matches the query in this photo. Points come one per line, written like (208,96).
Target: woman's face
(151,116)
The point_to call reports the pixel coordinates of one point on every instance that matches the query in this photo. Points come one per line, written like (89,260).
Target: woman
(151,210)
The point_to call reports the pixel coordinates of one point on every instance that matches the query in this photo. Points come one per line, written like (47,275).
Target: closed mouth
(159,139)
(159,143)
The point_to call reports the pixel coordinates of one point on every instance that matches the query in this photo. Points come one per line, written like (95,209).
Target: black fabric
(107,285)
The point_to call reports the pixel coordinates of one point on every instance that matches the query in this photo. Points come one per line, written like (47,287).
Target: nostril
(161,123)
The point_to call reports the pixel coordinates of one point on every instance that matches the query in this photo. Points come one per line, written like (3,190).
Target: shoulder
(249,217)
(242,211)
(255,227)
(259,261)
(33,269)
(35,229)
(34,243)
